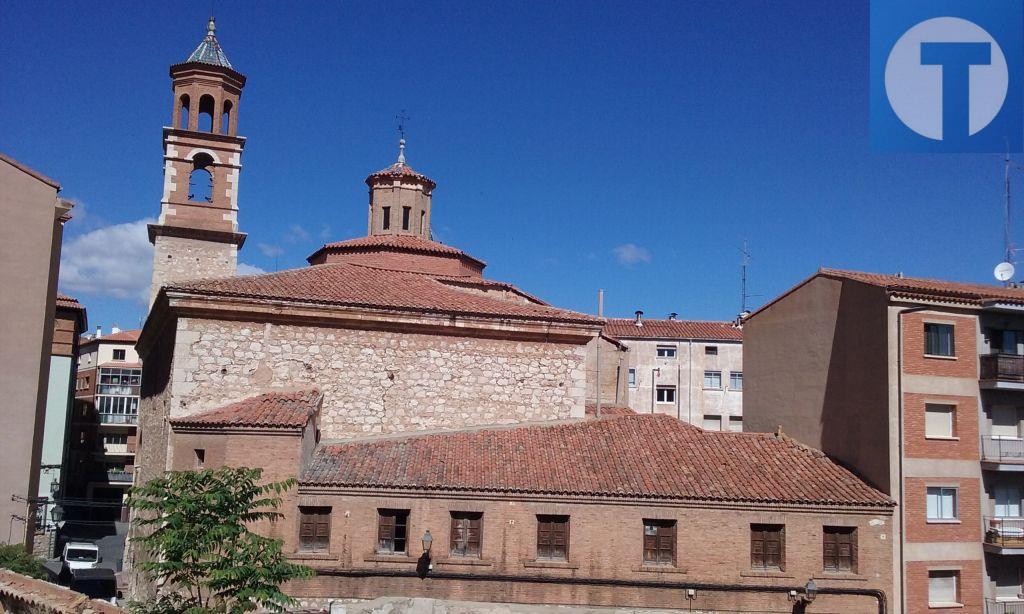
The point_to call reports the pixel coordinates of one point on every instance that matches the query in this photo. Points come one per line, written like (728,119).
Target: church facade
(412,397)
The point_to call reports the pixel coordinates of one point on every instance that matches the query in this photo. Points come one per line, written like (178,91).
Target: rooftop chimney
(99,332)
(672,316)
(639,318)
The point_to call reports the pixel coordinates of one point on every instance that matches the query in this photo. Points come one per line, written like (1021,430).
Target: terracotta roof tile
(124,336)
(641,456)
(953,290)
(404,243)
(357,285)
(400,169)
(608,411)
(270,410)
(626,328)
(68,302)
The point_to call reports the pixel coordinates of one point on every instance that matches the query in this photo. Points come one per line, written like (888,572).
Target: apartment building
(689,369)
(106,416)
(917,385)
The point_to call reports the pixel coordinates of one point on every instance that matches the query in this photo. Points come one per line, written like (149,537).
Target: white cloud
(268,250)
(115,260)
(296,234)
(249,269)
(630,254)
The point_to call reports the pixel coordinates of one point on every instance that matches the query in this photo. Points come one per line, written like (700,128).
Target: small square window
(711,350)
(666,394)
(666,351)
(712,423)
(392,531)
(713,379)
(736,424)
(314,529)
(659,542)
(938,339)
(119,354)
(552,537)
(736,380)
(632,378)
(942,503)
(939,421)
(943,587)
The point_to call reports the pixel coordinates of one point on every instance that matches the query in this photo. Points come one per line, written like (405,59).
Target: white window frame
(738,375)
(659,390)
(932,414)
(631,378)
(712,418)
(711,350)
(1007,502)
(938,601)
(1010,430)
(736,421)
(936,503)
(670,352)
(712,373)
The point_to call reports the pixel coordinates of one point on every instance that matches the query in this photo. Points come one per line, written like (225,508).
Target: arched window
(225,118)
(183,112)
(423,221)
(206,108)
(200,180)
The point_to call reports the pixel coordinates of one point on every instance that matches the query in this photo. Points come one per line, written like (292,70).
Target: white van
(80,555)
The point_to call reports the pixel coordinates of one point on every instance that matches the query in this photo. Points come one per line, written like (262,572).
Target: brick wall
(970,586)
(965,428)
(964,364)
(968,526)
(605,544)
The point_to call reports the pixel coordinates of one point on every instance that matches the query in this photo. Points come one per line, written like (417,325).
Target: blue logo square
(946,75)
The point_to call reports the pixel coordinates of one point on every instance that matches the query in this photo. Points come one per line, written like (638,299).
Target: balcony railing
(1005,532)
(116,475)
(119,419)
(1003,607)
(115,448)
(998,448)
(1003,367)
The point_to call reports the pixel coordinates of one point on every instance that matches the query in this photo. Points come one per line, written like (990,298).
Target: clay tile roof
(68,302)
(608,411)
(400,169)
(933,288)
(641,456)
(626,328)
(355,285)
(124,336)
(290,410)
(405,243)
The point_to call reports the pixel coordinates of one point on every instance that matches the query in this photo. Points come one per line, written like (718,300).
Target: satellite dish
(1004,271)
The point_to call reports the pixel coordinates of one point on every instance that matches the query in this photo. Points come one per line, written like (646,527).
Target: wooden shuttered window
(553,537)
(465,534)
(314,529)
(659,542)
(768,546)
(392,531)
(839,546)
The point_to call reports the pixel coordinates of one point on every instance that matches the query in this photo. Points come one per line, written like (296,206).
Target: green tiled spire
(209,51)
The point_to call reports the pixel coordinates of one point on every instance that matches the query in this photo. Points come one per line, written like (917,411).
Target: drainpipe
(689,381)
(679,384)
(654,387)
(899,392)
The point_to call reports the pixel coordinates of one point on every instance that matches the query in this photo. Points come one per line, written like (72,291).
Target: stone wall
(377,381)
(179,259)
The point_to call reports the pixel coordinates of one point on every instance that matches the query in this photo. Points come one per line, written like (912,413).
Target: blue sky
(576,145)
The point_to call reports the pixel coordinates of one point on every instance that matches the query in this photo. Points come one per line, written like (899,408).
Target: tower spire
(401,152)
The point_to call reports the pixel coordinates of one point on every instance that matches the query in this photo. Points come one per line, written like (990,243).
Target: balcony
(1002,453)
(993,606)
(1004,535)
(1002,371)
(119,418)
(119,449)
(119,476)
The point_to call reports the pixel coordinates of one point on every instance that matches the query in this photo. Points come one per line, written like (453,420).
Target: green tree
(15,558)
(195,527)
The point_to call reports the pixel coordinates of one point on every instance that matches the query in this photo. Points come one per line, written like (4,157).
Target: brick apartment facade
(689,369)
(914,384)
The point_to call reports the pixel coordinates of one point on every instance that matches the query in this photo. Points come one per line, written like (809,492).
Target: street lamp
(428,541)
(810,591)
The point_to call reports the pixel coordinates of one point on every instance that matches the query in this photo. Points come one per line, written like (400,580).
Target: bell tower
(197,232)
(400,200)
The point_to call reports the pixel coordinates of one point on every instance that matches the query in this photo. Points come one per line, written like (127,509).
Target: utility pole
(743,278)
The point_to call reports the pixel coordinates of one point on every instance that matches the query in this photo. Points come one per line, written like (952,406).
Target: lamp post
(810,592)
(427,541)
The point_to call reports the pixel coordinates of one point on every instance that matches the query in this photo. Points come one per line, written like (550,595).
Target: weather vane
(401,118)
